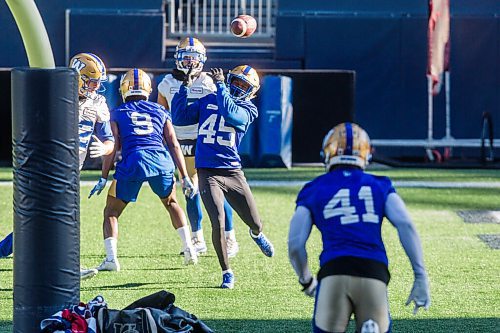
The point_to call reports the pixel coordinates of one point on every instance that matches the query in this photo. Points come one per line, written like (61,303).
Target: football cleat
(264,244)
(109,265)
(199,246)
(190,256)
(232,247)
(370,326)
(346,143)
(87,273)
(227,281)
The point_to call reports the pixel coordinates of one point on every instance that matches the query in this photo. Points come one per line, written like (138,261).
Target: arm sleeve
(398,215)
(300,229)
(237,116)
(103,131)
(182,113)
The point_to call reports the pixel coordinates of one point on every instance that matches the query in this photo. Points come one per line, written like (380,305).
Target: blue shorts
(127,190)
(141,165)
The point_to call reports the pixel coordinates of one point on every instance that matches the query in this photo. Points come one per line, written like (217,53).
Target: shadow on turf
(452,325)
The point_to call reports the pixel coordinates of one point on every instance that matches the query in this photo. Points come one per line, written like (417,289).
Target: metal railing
(213,17)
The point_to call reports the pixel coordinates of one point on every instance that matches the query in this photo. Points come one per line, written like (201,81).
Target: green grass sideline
(464,279)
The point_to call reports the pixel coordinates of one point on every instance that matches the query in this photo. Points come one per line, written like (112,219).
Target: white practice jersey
(202,86)
(91,110)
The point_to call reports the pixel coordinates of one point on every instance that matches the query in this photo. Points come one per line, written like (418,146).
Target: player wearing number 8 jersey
(223,118)
(347,206)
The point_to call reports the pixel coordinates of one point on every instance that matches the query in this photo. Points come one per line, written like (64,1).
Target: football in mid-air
(243,26)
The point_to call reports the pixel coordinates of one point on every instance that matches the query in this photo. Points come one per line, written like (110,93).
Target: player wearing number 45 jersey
(347,206)
(140,128)
(191,54)
(223,118)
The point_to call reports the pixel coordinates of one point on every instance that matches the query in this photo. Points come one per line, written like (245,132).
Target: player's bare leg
(112,211)
(179,222)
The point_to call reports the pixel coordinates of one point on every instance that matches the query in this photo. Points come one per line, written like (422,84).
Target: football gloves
(188,189)
(216,74)
(101,184)
(420,294)
(309,288)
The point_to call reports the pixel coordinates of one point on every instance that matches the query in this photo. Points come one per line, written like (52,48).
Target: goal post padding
(46,194)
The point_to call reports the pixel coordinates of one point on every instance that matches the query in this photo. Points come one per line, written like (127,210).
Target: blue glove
(101,184)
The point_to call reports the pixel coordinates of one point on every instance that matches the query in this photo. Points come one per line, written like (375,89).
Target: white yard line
(286,183)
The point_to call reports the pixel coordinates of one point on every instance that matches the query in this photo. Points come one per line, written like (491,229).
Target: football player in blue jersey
(190,53)
(223,118)
(140,128)
(347,205)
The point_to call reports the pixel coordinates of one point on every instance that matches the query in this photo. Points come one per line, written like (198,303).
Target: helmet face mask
(190,52)
(243,82)
(346,144)
(135,82)
(92,73)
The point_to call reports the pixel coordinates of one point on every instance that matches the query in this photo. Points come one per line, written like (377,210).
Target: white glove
(97,148)
(188,188)
(309,288)
(420,294)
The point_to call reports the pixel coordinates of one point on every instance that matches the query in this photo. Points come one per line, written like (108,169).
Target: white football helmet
(135,83)
(346,143)
(190,52)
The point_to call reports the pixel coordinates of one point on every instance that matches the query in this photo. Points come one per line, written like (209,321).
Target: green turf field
(464,272)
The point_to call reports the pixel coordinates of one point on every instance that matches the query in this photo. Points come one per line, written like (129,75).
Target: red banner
(439,41)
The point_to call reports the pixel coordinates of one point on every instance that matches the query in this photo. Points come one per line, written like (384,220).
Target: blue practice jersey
(348,206)
(222,124)
(140,126)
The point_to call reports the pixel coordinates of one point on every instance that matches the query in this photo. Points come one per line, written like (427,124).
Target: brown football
(243,26)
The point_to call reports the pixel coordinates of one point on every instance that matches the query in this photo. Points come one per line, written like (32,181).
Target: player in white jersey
(190,53)
(94,129)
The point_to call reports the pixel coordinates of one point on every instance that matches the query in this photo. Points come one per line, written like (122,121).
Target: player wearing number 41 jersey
(223,118)
(347,206)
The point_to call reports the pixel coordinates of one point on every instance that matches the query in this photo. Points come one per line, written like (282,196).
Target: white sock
(111,246)
(254,236)
(184,235)
(228,271)
(230,234)
(199,234)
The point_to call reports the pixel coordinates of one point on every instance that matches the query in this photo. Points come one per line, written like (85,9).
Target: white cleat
(199,246)
(232,247)
(109,265)
(190,256)
(87,273)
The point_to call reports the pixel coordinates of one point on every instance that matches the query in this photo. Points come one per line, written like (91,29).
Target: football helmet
(346,143)
(190,52)
(243,82)
(135,83)
(92,73)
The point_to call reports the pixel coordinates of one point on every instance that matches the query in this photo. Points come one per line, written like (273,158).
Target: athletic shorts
(128,190)
(141,165)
